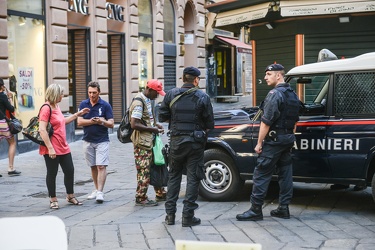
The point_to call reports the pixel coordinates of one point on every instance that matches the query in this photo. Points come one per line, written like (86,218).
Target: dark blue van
(335,135)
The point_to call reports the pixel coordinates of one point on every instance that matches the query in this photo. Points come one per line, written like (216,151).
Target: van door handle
(319,128)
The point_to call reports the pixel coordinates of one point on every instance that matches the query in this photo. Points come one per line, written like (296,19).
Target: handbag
(32,130)
(158,175)
(14,124)
(157,151)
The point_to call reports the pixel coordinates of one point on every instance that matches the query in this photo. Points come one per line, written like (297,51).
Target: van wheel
(222,181)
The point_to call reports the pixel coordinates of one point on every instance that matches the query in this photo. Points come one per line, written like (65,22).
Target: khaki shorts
(96,154)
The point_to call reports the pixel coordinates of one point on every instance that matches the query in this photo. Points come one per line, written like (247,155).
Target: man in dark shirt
(190,115)
(95,138)
(275,141)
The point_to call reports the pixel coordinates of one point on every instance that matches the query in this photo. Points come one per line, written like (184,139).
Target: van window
(316,93)
(354,94)
(316,87)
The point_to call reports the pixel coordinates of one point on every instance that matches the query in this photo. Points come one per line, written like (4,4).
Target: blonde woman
(6,104)
(57,151)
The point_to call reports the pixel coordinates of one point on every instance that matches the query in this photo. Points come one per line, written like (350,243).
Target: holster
(199,136)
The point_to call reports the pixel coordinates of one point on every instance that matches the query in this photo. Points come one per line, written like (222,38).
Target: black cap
(274,67)
(192,71)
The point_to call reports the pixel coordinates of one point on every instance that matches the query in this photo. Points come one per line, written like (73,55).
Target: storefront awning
(242,15)
(324,7)
(242,47)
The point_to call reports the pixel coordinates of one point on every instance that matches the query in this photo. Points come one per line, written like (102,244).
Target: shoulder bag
(32,130)
(14,124)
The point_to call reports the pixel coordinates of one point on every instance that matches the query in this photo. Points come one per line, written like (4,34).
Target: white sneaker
(92,195)
(99,197)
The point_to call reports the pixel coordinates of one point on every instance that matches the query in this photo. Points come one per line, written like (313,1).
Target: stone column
(4,68)
(57,47)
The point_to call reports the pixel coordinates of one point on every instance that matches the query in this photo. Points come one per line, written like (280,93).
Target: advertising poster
(25,88)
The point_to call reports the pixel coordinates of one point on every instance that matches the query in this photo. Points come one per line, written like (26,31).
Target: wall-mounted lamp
(36,22)
(22,20)
(270,26)
(274,6)
(344,19)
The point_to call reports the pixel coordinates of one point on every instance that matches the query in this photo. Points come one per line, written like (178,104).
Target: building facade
(293,32)
(119,43)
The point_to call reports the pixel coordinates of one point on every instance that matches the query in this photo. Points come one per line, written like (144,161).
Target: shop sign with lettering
(115,11)
(78,6)
(290,8)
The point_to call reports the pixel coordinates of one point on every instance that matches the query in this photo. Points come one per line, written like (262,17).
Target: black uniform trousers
(273,157)
(188,154)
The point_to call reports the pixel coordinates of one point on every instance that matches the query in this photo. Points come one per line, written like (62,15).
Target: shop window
(26,49)
(168,19)
(170,48)
(145,59)
(27,6)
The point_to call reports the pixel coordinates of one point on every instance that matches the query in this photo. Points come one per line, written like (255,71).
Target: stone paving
(321,218)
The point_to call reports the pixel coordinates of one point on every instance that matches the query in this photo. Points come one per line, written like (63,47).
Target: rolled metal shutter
(169,73)
(79,67)
(116,75)
(280,50)
(343,45)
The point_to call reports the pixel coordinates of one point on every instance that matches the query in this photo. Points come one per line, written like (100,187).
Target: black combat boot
(253,214)
(169,219)
(190,221)
(282,211)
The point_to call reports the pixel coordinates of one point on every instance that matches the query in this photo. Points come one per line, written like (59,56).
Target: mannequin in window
(13,89)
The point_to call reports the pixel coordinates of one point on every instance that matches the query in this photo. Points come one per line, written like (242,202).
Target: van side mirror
(312,109)
(304,80)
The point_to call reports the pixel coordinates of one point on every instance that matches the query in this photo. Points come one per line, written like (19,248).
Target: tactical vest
(185,115)
(290,110)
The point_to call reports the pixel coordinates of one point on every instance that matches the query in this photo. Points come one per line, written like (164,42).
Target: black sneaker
(190,221)
(253,214)
(282,211)
(14,173)
(169,219)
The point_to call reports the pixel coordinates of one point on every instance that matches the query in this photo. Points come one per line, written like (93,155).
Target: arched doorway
(190,36)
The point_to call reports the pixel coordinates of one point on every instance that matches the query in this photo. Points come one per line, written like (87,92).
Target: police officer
(189,113)
(275,141)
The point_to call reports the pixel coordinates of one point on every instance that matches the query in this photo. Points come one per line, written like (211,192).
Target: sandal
(53,205)
(74,201)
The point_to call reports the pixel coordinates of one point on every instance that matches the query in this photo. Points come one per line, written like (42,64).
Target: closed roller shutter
(169,73)
(280,50)
(117,75)
(79,69)
(345,45)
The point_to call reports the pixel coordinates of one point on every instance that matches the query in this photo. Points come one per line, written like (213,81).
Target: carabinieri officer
(275,141)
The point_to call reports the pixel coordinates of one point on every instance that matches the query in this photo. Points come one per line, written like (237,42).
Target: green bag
(157,150)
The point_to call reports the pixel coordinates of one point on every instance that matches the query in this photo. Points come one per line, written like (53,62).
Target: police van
(335,134)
